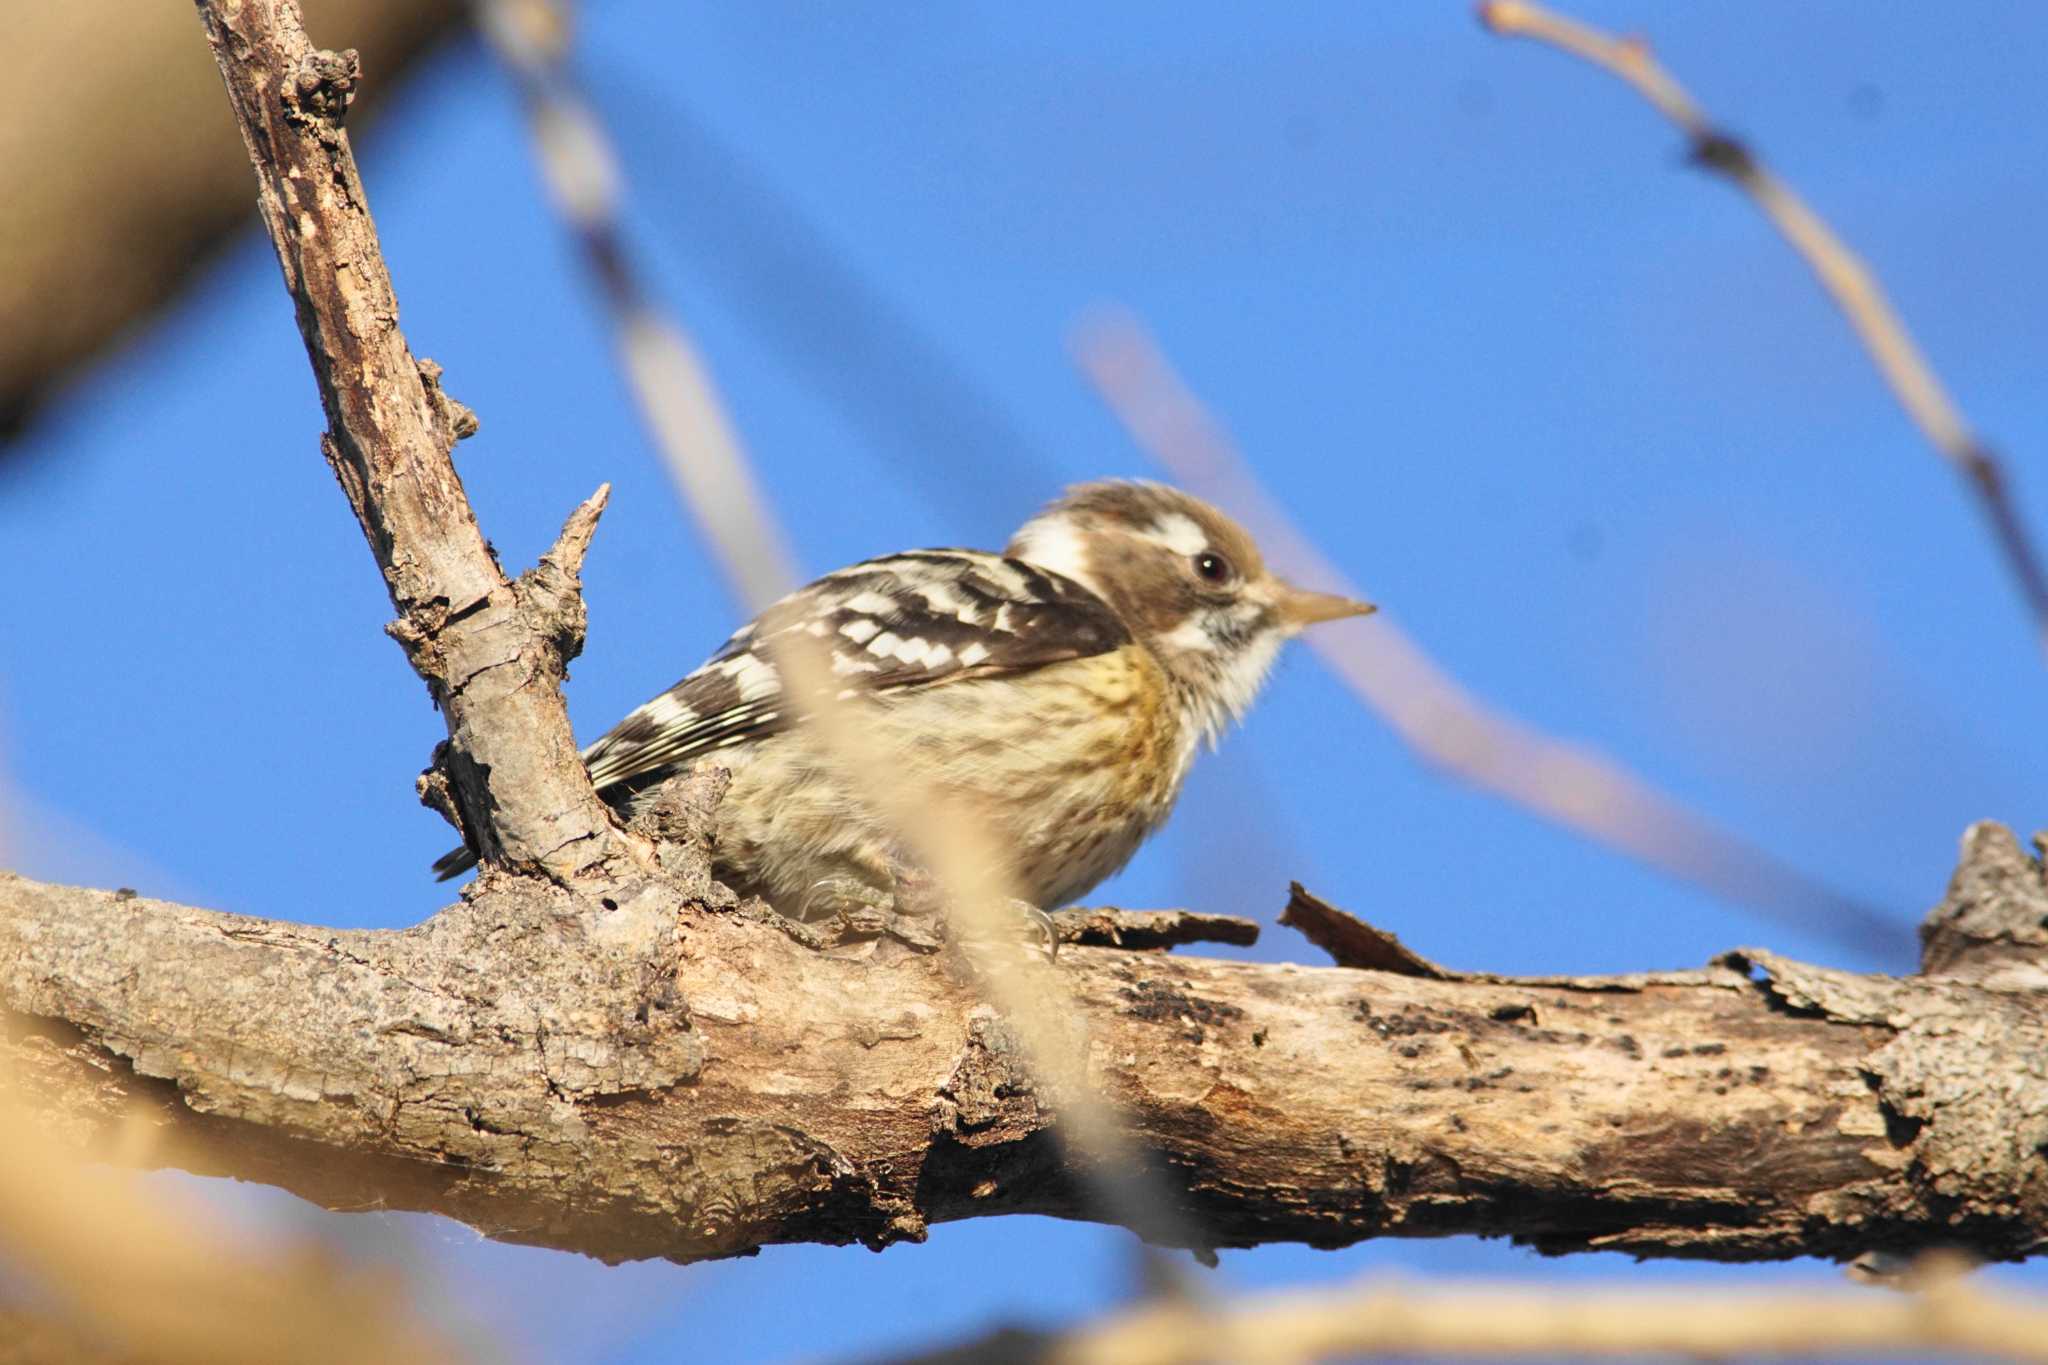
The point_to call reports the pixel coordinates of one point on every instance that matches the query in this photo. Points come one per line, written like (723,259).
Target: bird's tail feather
(453,863)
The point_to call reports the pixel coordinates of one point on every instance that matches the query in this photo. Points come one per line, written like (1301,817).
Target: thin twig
(1144,931)
(139,1270)
(1845,277)
(1430,710)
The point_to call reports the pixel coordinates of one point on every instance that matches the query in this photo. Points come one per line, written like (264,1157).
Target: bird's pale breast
(1067,769)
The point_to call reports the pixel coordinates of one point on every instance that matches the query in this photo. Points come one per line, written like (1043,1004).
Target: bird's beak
(1299,607)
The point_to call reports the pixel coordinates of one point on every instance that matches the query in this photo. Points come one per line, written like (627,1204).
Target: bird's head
(1186,580)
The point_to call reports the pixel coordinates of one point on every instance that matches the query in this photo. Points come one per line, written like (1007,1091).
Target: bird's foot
(857,910)
(1041,924)
(914,914)
(917,893)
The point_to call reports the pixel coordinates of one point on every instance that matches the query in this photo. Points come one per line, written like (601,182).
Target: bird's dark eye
(1212,568)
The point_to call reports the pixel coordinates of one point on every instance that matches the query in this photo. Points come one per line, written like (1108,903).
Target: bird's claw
(1042,925)
(860,911)
(914,915)
(1048,931)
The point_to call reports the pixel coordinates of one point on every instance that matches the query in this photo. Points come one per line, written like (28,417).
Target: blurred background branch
(1940,1315)
(1845,277)
(120,171)
(671,384)
(140,1271)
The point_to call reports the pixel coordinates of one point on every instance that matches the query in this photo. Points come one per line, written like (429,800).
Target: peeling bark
(662,1078)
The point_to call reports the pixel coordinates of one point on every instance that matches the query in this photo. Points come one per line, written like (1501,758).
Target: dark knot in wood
(324,85)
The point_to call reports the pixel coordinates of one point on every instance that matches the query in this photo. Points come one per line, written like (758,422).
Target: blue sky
(1564,406)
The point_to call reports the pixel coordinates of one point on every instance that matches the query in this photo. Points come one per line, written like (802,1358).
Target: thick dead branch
(491,651)
(665,1080)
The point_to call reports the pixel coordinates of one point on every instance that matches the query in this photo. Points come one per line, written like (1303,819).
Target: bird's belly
(1061,774)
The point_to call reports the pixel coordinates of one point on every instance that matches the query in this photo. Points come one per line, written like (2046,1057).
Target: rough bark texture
(119,168)
(650,1076)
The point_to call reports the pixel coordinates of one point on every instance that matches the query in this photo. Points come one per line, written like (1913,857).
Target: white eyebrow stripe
(1179,532)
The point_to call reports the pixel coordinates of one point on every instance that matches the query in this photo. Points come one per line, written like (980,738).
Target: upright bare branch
(491,651)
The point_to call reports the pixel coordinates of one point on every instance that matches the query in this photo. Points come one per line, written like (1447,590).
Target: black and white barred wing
(911,620)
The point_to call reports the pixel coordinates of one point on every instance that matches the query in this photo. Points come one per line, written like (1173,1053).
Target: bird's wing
(921,619)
